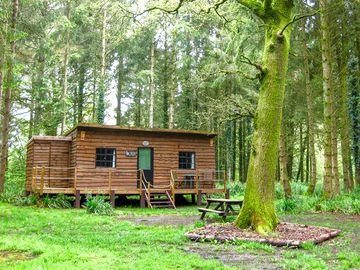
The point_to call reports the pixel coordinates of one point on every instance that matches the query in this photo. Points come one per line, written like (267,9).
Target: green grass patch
(71,239)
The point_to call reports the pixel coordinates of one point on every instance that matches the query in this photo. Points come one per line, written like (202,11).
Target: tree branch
(296,18)
(247,76)
(172,11)
(248,61)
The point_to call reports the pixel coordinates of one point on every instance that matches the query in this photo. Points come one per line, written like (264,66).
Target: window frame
(186,162)
(113,155)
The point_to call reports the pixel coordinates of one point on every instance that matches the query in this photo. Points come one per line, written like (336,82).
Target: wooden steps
(160,199)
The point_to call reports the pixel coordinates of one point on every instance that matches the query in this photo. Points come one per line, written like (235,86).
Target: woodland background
(107,61)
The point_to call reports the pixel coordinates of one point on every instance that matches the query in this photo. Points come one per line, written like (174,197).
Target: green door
(146,162)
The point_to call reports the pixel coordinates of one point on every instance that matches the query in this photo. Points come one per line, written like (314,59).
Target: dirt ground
(161,220)
(9,255)
(243,258)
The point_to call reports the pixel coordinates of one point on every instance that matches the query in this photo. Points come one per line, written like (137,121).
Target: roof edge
(137,129)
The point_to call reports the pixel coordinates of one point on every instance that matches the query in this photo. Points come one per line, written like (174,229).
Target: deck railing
(201,179)
(92,179)
(105,180)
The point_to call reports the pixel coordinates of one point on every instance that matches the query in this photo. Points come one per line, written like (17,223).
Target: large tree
(258,211)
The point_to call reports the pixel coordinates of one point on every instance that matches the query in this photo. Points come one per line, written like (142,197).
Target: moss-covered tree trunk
(310,115)
(8,97)
(342,59)
(258,210)
(328,88)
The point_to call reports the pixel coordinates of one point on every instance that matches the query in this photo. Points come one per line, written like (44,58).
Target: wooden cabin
(114,160)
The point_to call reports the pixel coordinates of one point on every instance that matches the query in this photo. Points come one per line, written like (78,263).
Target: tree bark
(65,72)
(283,163)
(258,210)
(119,87)
(310,114)
(328,89)
(100,112)
(300,172)
(80,96)
(152,85)
(342,59)
(8,101)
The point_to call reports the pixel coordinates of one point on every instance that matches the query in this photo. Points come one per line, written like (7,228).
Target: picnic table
(225,206)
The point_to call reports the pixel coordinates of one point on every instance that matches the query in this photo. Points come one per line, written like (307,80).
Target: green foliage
(25,200)
(15,176)
(97,205)
(300,202)
(58,201)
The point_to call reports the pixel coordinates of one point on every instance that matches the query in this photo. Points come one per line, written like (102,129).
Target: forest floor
(40,238)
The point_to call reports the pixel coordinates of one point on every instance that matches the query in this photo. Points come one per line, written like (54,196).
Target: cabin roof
(137,129)
(49,138)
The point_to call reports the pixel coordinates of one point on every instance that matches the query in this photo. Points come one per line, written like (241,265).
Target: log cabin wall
(166,147)
(50,152)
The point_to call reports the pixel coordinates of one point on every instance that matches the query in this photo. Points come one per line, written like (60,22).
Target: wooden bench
(226,206)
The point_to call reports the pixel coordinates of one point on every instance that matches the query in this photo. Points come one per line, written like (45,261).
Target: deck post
(197,182)
(36,175)
(141,182)
(75,179)
(77,198)
(193,198)
(227,194)
(142,200)
(149,195)
(33,179)
(42,180)
(110,180)
(199,197)
(112,198)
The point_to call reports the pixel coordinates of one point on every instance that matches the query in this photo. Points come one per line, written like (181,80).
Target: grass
(43,238)
(72,239)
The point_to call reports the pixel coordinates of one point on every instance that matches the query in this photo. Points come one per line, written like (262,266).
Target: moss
(258,211)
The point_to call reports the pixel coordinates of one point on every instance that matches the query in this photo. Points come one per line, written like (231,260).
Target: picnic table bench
(225,206)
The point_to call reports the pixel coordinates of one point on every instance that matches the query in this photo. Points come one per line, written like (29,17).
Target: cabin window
(186,160)
(106,157)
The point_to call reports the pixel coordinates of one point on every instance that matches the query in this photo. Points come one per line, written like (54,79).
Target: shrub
(25,200)
(58,201)
(97,205)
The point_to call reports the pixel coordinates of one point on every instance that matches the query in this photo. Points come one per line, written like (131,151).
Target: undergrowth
(300,202)
(97,205)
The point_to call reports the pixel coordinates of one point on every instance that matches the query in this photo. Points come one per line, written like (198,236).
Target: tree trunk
(152,85)
(258,210)
(328,89)
(65,73)
(119,87)
(80,96)
(241,151)
(334,150)
(7,103)
(342,59)
(100,112)
(166,79)
(172,89)
(137,100)
(310,115)
(300,171)
(283,163)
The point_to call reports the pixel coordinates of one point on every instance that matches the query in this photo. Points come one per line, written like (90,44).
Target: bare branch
(296,18)
(248,61)
(247,76)
(172,11)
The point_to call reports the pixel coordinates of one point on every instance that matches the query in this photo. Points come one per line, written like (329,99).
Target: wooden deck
(196,182)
